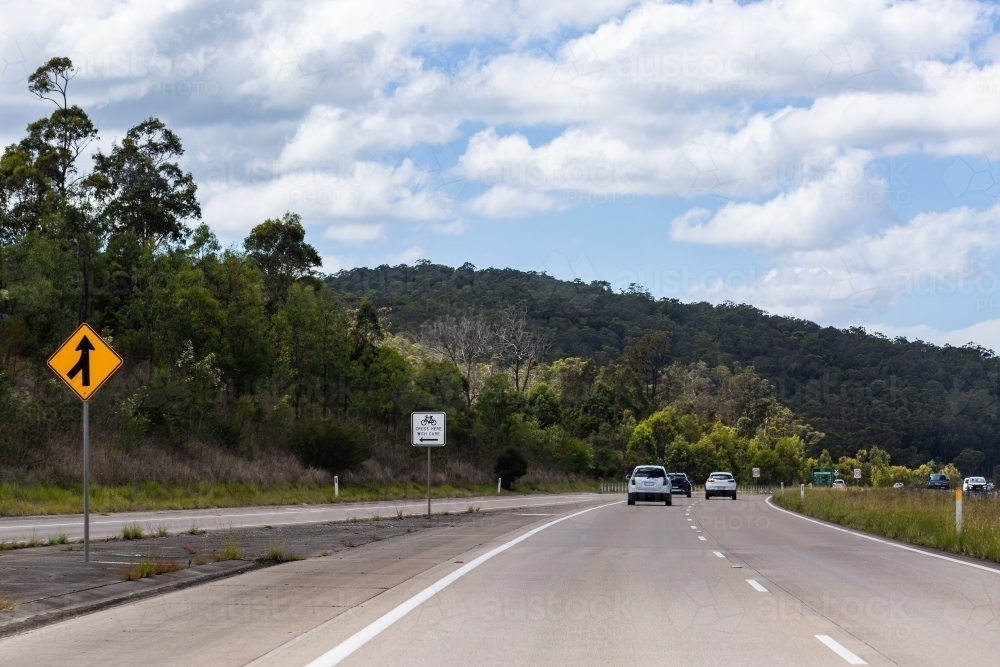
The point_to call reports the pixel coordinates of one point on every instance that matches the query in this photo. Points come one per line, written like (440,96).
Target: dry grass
(148,568)
(6,603)
(916,516)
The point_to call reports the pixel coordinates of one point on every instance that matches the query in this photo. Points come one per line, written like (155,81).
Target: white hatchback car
(720,484)
(650,484)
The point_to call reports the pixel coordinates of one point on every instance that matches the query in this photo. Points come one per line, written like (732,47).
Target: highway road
(102,526)
(716,582)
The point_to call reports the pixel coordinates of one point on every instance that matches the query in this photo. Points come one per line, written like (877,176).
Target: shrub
(510,467)
(330,445)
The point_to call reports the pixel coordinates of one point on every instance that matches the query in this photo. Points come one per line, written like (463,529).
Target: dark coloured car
(938,481)
(680,483)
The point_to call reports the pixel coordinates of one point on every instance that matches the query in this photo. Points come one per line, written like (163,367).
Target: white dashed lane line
(702,538)
(719,554)
(834,646)
(757,587)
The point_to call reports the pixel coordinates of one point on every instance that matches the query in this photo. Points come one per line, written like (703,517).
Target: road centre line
(757,587)
(835,646)
(881,541)
(337,654)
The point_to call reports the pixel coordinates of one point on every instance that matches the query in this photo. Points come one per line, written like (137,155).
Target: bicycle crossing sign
(84,362)
(427,429)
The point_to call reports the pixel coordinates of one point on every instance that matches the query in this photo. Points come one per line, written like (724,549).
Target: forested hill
(914,399)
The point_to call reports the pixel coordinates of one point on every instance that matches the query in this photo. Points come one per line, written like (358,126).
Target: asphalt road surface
(101,526)
(703,582)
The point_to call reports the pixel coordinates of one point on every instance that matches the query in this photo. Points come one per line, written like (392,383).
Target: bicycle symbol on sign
(428,420)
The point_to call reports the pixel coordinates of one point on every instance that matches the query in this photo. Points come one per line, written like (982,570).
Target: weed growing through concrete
(277,554)
(194,530)
(162,531)
(148,568)
(7,603)
(132,531)
(231,548)
(347,543)
(61,538)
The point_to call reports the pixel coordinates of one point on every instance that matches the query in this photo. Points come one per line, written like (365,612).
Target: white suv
(649,484)
(971,484)
(720,484)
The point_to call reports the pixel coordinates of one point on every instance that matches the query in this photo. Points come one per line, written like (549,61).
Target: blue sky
(832,160)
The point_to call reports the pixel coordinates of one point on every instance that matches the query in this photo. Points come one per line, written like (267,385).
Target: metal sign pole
(86,482)
(428,482)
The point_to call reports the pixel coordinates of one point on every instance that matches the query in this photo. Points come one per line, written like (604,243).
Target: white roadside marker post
(958,511)
(336,487)
(499,479)
(802,491)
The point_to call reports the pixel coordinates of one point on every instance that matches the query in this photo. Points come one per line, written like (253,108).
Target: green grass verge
(925,518)
(35,500)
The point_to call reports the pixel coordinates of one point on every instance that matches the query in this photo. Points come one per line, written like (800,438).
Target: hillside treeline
(242,365)
(915,400)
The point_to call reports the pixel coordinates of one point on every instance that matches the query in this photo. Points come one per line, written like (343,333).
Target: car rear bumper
(657,497)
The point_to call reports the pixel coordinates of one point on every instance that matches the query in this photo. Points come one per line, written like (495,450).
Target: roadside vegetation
(252,379)
(148,567)
(916,516)
(7,603)
(17,500)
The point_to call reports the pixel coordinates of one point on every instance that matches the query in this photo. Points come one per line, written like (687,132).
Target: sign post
(857,476)
(428,429)
(958,511)
(85,362)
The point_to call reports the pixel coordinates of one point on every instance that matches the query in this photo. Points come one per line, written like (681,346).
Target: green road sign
(822,476)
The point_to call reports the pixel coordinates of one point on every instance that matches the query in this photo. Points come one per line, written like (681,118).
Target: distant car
(897,485)
(839,484)
(649,484)
(938,481)
(720,484)
(974,484)
(679,483)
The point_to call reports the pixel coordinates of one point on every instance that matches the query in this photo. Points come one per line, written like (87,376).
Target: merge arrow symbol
(83,365)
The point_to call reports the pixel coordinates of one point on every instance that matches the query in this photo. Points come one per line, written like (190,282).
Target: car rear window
(649,472)
(937,478)
(718,476)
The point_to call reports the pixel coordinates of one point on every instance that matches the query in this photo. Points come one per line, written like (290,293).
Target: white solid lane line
(880,541)
(757,587)
(834,646)
(335,655)
(719,554)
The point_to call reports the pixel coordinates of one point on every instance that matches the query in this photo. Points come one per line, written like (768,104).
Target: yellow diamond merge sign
(85,362)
